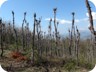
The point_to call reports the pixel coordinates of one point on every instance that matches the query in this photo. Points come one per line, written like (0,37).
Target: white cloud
(94,17)
(81,20)
(47,19)
(61,21)
(93,14)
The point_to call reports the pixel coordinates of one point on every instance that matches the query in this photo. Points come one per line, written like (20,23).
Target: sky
(44,9)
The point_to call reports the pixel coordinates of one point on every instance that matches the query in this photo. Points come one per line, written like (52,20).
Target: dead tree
(55,9)
(1,37)
(91,28)
(27,40)
(73,34)
(44,44)
(41,43)
(38,29)
(33,39)
(77,44)
(38,36)
(23,35)
(50,36)
(9,32)
(16,39)
(58,41)
(14,31)
(70,42)
(13,20)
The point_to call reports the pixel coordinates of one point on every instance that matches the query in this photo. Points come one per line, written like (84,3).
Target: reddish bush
(18,56)
(15,55)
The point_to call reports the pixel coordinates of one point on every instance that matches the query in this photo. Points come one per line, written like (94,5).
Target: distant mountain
(83,34)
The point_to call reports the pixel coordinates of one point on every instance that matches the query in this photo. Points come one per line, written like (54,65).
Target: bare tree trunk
(23,35)
(70,42)
(27,35)
(16,37)
(73,36)
(77,44)
(55,9)
(1,27)
(38,27)
(91,28)
(9,34)
(50,37)
(33,38)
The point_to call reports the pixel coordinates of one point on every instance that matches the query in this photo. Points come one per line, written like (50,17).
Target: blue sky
(44,8)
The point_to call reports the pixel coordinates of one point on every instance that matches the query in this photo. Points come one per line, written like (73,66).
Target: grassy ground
(49,65)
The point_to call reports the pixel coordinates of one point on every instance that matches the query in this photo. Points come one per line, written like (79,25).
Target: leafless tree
(55,25)
(15,32)
(70,42)
(23,35)
(1,37)
(50,35)
(77,44)
(91,28)
(27,35)
(33,42)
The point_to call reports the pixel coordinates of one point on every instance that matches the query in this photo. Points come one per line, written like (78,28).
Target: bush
(70,65)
